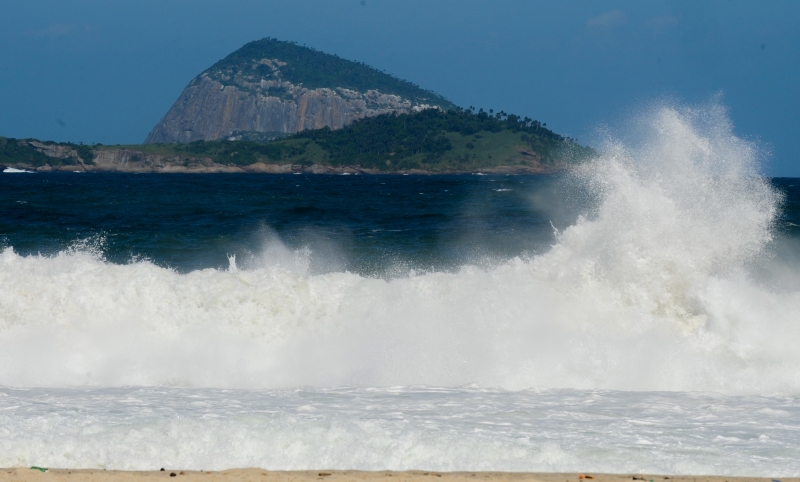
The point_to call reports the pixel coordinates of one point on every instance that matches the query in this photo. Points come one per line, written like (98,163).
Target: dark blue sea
(364,224)
(371,225)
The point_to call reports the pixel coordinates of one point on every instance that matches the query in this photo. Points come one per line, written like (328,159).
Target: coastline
(261,168)
(247,475)
(43,157)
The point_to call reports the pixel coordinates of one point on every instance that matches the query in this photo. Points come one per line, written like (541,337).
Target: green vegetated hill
(431,140)
(278,103)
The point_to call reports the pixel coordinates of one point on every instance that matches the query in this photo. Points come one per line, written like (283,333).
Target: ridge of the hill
(270,86)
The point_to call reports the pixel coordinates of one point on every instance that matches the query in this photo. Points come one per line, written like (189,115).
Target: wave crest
(650,290)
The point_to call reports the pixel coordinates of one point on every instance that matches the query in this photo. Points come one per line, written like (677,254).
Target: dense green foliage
(433,140)
(240,152)
(84,152)
(424,135)
(314,69)
(14,151)
(21,151)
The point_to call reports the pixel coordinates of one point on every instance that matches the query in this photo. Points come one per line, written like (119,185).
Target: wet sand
(259,475)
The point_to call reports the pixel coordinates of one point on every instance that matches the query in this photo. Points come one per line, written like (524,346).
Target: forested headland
(433,140)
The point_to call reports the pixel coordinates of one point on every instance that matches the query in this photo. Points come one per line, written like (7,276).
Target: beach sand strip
(260,475)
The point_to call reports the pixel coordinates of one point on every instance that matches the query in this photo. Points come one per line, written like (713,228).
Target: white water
(401,428)
(652,290)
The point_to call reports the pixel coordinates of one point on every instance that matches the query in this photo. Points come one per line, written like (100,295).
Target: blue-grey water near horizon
(638,314)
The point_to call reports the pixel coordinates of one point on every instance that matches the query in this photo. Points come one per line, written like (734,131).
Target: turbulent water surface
(638,314)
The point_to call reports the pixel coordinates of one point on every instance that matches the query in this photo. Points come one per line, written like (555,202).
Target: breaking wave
(663,285)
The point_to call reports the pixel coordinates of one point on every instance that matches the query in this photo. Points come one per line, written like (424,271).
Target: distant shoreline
(427,142)
(261,168)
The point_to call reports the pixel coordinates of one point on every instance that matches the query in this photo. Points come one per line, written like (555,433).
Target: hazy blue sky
(100,71)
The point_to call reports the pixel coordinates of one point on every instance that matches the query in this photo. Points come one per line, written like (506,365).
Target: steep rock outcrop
(255,90)
(60,151)
(209,110)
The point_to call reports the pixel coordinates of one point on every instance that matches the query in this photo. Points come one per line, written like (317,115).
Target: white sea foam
(401,428)
(650,291)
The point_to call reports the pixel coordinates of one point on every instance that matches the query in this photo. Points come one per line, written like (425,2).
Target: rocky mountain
(269,87)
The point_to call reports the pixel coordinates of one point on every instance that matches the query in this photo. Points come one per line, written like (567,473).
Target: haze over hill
(270,87)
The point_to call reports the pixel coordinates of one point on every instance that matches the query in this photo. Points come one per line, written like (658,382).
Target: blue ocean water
(638,314)
(369,225)
(364,224)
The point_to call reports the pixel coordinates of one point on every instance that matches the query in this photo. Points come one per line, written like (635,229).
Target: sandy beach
(251,475)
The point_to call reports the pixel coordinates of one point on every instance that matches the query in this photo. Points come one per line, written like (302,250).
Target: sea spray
(650,289)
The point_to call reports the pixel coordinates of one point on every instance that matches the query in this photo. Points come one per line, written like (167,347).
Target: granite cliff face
(209,110)
(277,87)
